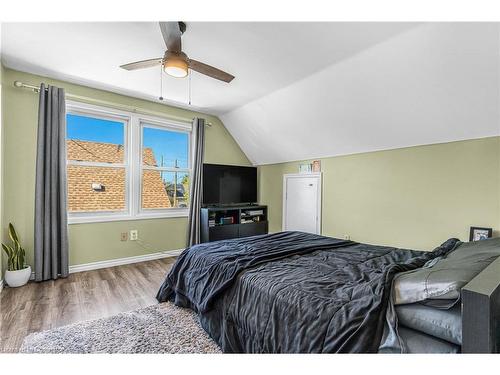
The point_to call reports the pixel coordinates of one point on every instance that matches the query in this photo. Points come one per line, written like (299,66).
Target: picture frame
(316,166)
(480,233)
(305,168)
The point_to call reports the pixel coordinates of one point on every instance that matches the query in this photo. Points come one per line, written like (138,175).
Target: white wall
(434,83)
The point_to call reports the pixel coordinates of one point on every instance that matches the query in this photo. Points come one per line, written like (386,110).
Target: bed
(294,292)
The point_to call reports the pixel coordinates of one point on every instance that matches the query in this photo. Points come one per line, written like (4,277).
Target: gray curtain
(196,188)
(51,226)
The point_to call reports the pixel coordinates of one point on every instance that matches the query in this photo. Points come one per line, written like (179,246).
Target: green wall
(413,197)
(98,241)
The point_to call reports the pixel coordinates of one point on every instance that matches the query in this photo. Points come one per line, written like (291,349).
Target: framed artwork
(478,233)
(305,168)
(316,166)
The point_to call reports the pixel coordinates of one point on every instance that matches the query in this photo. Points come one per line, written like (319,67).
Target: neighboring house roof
(81,195)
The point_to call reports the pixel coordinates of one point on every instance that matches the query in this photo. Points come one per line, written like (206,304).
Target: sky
(171,145)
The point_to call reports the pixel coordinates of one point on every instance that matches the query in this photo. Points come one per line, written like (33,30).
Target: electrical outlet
(347,237)
(133,235)
(123,236)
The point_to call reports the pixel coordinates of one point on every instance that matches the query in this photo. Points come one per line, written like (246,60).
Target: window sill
(142,216)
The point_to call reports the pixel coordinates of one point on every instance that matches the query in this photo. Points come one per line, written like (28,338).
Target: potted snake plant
(18,273)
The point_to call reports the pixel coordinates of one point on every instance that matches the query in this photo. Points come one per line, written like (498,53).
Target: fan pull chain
(189,88)
(161,82)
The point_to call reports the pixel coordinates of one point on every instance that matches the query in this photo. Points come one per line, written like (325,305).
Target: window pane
(94,140)
(164,189)
(92,189)
(164,148)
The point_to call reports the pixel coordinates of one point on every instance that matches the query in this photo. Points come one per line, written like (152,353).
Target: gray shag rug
(163,328)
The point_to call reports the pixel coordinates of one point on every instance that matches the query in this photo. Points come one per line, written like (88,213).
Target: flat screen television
(229,185)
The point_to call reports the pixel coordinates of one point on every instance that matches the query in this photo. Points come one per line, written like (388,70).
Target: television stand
(227,222)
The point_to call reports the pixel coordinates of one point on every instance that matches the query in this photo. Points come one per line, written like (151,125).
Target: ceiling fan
(175,62)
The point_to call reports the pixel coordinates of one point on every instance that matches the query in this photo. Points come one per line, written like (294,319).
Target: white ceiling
(263,56)
(302,90)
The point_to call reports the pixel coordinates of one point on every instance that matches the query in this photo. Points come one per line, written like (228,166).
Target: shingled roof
(82,197)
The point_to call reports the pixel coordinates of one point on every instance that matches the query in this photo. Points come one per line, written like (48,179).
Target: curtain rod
(89,100)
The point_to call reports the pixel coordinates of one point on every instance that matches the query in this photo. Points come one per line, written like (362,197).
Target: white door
(302,202)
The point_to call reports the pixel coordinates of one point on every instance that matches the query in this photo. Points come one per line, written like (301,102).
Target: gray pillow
(420,343)
(443,278)
(443,324)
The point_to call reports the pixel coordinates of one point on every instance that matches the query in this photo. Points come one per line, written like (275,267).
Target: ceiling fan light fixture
(176,67)
(175,63)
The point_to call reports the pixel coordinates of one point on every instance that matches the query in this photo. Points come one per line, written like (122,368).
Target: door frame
(318,176)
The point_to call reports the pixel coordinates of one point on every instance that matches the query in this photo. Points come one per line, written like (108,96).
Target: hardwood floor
(82,296)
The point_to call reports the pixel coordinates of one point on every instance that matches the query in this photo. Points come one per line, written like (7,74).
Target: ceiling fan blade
(142,64)
(210,71)
(171,33)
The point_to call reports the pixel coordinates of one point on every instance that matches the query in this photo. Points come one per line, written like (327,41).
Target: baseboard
(120,261)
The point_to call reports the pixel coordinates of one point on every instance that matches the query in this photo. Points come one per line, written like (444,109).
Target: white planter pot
(17,278)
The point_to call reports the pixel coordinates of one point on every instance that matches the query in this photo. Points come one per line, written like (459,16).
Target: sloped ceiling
(430,84)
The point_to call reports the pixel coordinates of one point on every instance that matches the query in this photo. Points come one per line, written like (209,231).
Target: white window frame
(134,123)
(154,124)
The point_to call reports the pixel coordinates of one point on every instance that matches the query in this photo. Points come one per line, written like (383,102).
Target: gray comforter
(290,292)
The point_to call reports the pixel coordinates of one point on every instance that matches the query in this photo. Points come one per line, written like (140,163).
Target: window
(124,166)
(97,168)
(165,168)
